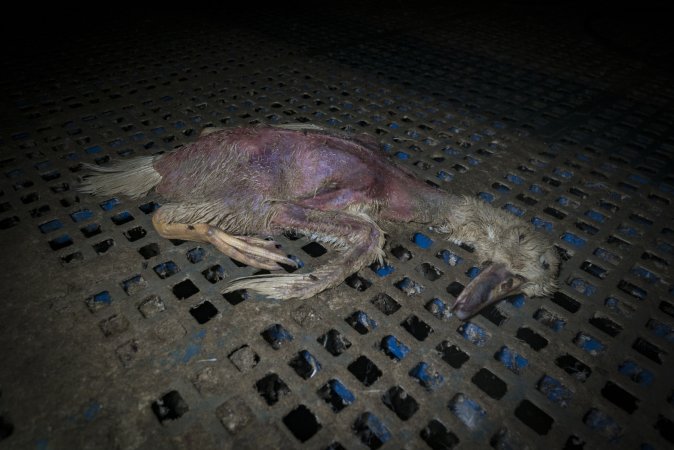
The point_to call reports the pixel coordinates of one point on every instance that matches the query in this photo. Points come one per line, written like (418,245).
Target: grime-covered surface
(112,337)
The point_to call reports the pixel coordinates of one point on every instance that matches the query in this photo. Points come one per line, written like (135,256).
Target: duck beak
(491,285)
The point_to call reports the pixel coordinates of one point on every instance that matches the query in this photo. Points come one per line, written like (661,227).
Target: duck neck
(436,207)
(463,220)
(460,218)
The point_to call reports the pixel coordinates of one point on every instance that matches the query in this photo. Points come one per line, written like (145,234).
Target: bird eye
(521,237)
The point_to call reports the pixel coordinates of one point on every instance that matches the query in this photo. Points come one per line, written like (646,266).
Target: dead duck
(233,187)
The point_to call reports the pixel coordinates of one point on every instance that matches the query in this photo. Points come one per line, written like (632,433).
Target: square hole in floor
(492,385)
(305,364)
(314,249)
(371,430)
(166,269)
(272,388)
(103,246)
(400,402)
(170,406)
(236,297)
(336,395)
(276,335)
(358,283)
(214,273)
(135,233)
(361,322)
(203,312)
(385,303)
(151,306)
(195,255)
(438,437)
(417,327)
(121,218)
(365,370)
(148,251)
(334,342)
(302,423)
(184,289)
(91,230)
(244,358)
(234,415)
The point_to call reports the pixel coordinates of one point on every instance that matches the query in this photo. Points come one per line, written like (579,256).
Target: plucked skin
(340,190)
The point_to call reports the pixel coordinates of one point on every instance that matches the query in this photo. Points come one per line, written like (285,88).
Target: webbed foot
(252,251)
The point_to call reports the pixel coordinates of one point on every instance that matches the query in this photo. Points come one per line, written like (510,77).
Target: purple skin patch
(317,171)
(491,285)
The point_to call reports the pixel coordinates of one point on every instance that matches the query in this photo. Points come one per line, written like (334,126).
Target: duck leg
(249,250)
(356,237)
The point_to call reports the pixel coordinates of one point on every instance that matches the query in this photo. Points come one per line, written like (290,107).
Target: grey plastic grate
(115,338)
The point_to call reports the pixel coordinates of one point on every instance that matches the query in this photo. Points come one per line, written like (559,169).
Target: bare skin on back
(234,187)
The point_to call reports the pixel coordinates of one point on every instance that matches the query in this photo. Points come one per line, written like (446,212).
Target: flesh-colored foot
(249,250)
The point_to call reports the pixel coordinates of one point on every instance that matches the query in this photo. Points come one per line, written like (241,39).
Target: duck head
(514,260)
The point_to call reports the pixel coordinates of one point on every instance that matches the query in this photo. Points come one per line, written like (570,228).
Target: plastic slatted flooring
(113,337)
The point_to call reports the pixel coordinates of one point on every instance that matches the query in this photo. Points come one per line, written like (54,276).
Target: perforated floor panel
(112,337)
